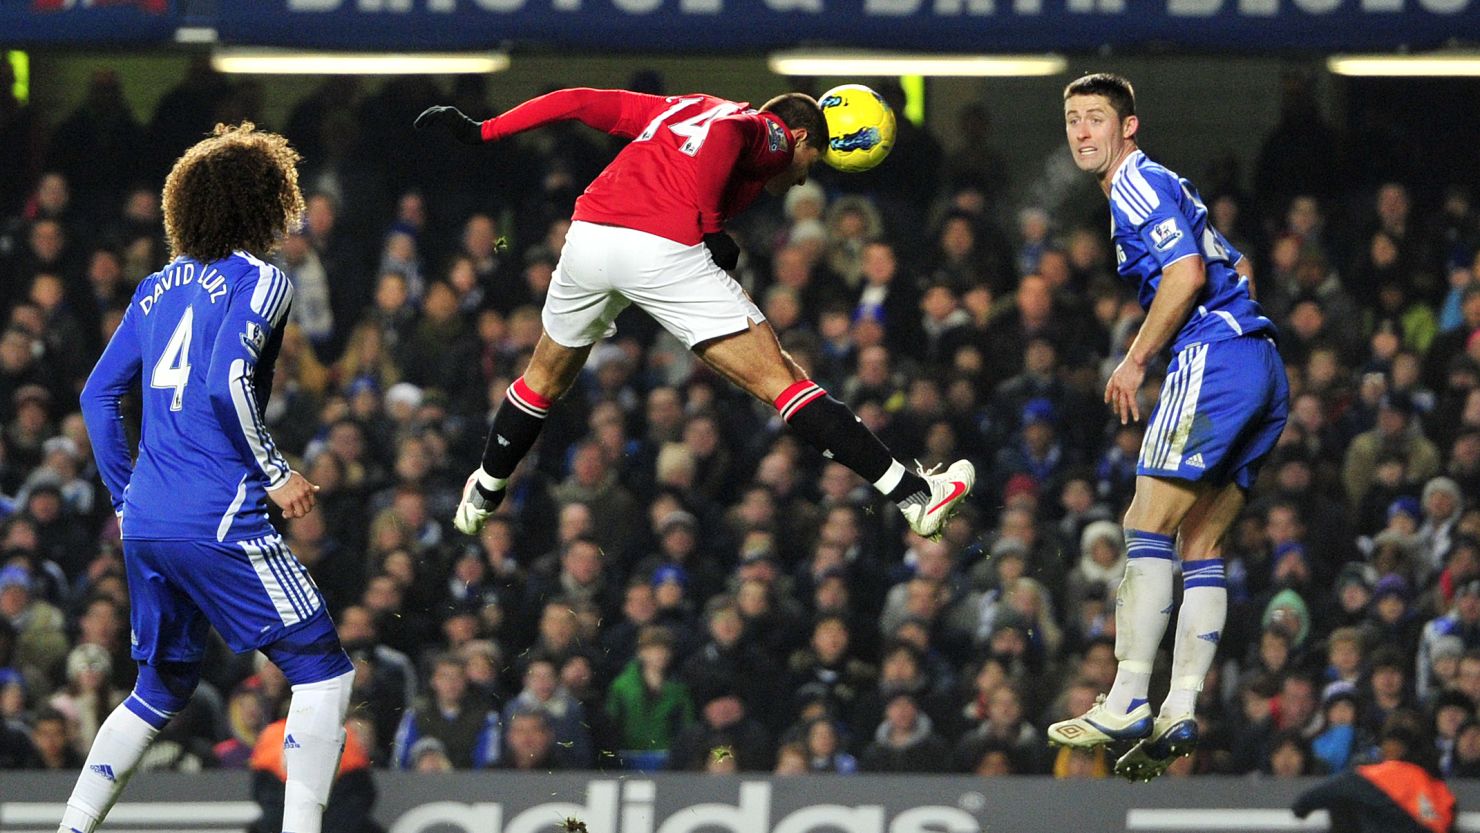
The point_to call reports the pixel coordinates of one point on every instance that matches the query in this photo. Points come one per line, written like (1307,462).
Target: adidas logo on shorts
(289,743)
(1196,461)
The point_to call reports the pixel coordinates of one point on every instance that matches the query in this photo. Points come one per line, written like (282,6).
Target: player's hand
(1121,390)
(453,121)
(295,497)
(723,248)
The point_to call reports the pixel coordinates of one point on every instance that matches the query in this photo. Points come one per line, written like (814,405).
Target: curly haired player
(202,335)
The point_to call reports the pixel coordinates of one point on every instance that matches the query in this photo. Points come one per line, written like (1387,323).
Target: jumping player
(202,335)
(650,231)
(1222,408)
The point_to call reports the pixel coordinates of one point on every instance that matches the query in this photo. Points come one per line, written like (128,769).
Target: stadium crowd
(673,581)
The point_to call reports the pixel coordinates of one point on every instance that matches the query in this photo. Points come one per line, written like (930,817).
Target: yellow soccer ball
(860,127)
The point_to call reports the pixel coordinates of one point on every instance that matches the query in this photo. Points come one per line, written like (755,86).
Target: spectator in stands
(246,717)
(824,749)
(1466,762)
(905,741)
(1341,739)
(1392,621)
(88,697)
(1395,432)
(1442,503)
(1388,689)
(724,724)
(1290,757)
(51,747)
(648,707)
(529,742)
(468,729)
(726,664)
(1007,726)
(40,629)
(565,717)
(828,670)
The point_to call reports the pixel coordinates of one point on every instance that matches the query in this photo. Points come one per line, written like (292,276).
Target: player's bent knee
(310,654)
(164,689)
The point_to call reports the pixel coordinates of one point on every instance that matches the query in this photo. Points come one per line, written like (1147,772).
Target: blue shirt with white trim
(1156,219)
(198,341)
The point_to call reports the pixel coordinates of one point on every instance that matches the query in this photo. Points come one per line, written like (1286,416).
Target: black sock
(516,425)
(832,428)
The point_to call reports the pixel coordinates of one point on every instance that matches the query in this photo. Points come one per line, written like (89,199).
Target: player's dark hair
(237,189)
(1115,88)
(799,110)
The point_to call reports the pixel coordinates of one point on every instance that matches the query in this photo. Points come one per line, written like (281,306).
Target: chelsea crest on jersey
(1156,219)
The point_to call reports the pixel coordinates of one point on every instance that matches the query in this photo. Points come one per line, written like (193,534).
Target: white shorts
(602,269)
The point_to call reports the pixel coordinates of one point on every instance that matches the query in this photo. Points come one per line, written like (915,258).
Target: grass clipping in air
(573,825)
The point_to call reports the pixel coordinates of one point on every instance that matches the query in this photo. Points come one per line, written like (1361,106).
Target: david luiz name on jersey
(182,273)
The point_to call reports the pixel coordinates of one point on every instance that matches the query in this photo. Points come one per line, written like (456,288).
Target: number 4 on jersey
(173,368)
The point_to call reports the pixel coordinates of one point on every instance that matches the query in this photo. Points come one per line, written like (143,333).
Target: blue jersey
(1156,219)
(199,340)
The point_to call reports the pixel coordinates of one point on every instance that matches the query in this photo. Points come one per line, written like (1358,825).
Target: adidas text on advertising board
(630,810)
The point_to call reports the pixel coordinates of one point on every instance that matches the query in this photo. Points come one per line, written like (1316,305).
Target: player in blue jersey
(198,341)
(1222,407)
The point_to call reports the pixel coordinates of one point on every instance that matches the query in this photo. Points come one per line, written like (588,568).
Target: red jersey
(694,160)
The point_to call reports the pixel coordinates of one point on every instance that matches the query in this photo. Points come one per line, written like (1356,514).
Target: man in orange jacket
(1403,794)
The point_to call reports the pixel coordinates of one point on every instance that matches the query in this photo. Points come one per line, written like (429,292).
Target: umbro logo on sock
(289,743)
(104,770)
(1210,636)
(1196,461)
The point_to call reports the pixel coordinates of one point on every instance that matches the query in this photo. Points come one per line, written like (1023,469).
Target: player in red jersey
(649,230)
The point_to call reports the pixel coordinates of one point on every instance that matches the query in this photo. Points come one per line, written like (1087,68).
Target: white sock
(312,742)
(1199,628)
(891,478)
(1143,605)
(115,753)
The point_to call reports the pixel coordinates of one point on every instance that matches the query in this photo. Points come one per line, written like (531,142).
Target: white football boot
(928,512)
(1171,737)
(474,508)
(1100,726)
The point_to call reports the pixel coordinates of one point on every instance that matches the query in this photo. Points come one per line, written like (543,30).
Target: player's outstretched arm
(617,112)
(114,376)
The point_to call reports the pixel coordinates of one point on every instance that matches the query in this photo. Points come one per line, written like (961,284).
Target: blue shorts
(1222,408)
(253,592)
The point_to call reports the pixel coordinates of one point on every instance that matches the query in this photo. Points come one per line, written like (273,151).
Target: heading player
(649,231)
(1222,408)
(202,335)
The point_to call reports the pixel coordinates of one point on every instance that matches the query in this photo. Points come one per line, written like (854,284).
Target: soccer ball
(860,127)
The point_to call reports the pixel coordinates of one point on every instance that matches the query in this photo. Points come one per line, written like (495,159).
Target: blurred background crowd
(674,581)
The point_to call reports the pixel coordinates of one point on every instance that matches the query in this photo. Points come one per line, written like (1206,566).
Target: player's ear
(1128,127)
(799,136)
